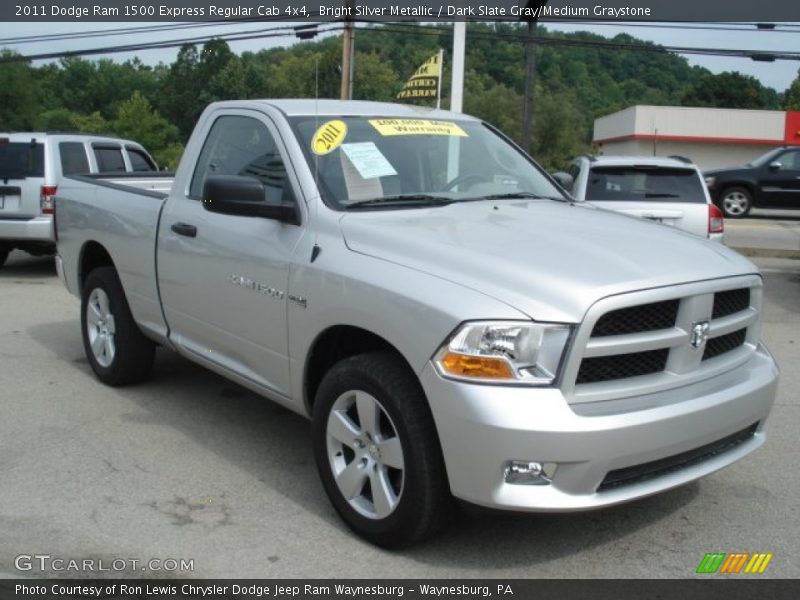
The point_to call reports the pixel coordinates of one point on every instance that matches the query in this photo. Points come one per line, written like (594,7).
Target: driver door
(224,278)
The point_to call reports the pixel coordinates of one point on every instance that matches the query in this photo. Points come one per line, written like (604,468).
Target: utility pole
(457,78)
(348,41)
(530,74)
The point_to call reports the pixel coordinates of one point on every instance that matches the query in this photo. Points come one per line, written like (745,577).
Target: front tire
(117,351)
(735,202)
(377,451)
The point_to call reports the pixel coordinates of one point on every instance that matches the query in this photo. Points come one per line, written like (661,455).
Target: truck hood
(551,260)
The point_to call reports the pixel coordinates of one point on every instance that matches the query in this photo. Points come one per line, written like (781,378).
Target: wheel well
(92,257)
(335,344)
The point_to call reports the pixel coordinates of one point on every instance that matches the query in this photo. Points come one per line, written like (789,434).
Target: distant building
(711,137)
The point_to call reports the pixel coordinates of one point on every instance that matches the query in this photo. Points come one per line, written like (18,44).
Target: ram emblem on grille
(699,333)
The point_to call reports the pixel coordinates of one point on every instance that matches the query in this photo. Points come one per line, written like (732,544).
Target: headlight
(710,181)
(519,352)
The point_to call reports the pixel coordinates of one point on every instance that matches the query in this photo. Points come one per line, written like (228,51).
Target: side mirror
(563,179)
(244,197)
(775,165)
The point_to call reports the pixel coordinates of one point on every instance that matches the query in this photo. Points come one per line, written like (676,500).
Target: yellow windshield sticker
(328,137)
(416,127)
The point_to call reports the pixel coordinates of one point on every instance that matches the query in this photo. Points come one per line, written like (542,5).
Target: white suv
(666,190)
(32,164)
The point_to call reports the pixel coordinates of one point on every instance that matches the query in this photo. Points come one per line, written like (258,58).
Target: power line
(700,26)
(286,31)
(403,28)
(76,35)
(610,45)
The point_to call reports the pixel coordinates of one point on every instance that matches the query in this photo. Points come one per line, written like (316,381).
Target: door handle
(184,229)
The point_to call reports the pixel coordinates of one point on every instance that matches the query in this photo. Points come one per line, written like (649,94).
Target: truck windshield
(653,184)
(397,162)
(21,160)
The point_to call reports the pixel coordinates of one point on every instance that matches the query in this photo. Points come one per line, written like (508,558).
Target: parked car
(665,190)
(31,167)
(453,324)
(770,181)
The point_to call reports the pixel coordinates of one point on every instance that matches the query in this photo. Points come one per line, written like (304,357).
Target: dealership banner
(350,589)
(399,10)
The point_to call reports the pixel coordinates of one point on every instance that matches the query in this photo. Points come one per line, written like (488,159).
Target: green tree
(729,90)
(92,123)
(137,120)
(179,100)
(791,98)
(18,93)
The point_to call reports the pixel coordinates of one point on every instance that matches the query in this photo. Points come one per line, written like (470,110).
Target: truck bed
(120,212)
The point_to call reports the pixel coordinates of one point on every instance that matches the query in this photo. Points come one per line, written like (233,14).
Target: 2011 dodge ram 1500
(414,283)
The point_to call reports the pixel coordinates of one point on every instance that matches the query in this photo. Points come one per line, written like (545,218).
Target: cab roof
(357,108)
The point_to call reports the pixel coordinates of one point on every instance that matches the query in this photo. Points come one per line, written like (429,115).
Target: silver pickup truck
(420,289)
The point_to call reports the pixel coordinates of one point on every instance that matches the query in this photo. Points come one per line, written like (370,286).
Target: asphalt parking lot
(190,466)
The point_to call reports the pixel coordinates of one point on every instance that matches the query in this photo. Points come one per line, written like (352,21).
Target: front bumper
(36,229)
(482,427)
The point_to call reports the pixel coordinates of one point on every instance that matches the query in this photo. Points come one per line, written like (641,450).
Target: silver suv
(31,166)
(665,190)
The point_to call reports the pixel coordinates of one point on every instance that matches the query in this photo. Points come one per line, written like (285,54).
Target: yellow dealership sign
(416,127)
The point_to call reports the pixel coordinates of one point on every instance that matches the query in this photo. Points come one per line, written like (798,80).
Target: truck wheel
(4,252)
(117,351)
(736,202)
(377,451)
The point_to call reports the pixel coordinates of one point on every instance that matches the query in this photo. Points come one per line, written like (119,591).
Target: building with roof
(711,137)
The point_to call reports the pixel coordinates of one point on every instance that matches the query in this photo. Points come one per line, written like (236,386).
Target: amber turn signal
(484,367)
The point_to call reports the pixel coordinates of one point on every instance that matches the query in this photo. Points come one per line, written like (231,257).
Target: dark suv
(770,181)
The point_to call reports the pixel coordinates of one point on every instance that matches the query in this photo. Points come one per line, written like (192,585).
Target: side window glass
(241,146)
(791,161)
(73,158)
(574,170)
(140,161)
(109,158)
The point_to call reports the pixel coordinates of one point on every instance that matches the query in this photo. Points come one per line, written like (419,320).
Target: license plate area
(9,197)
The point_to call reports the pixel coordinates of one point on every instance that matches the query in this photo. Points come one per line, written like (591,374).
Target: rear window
(109,159)
(652,184)
(19,160)
(73,158)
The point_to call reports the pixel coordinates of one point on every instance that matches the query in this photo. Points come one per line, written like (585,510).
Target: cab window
(109,158)
(73,158)
(239,145)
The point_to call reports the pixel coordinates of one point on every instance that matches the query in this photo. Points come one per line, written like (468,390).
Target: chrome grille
(606,368)
(646,317)
(730,302)
(724,343)
(646,342)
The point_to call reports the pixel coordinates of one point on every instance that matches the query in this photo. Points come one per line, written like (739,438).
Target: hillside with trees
(576,81)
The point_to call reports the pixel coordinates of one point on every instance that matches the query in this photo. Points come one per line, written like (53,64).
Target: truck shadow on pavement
(273,445)
(21,266)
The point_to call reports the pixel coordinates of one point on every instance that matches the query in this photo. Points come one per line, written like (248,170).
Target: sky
(778,75)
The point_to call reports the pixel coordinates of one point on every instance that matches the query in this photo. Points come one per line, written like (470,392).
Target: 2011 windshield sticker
(416,127)
(328,137)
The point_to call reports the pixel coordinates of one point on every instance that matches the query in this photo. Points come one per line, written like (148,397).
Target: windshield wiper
(515,196)
(661,195)
(402,200)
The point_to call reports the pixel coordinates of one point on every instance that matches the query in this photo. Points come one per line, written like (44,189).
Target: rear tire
(735,202)
(377,451)
(117,351)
